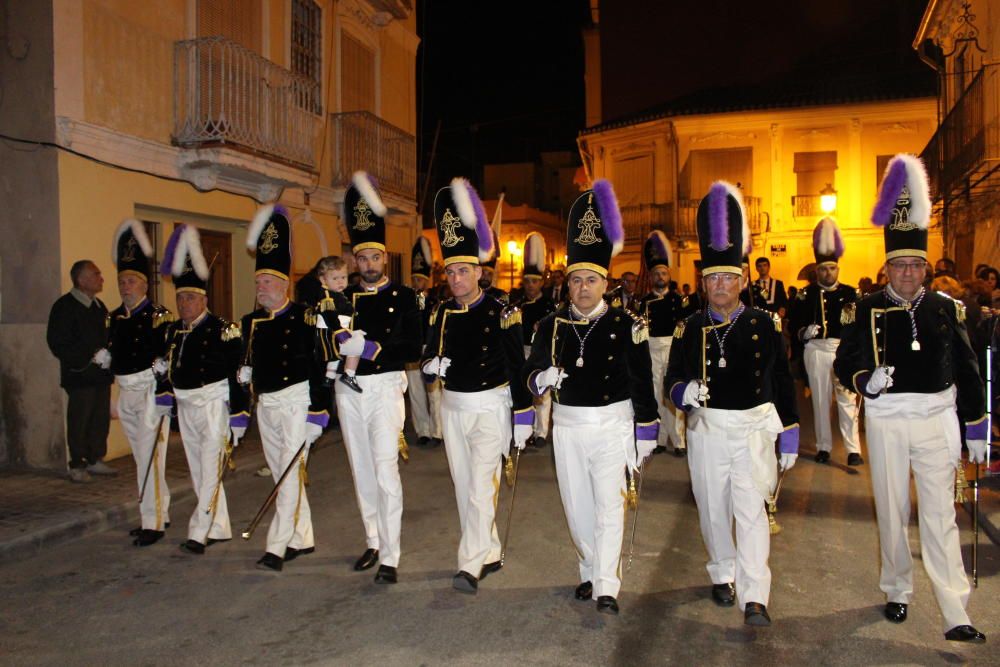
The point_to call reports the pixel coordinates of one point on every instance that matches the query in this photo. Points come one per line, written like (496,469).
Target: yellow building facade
(193,111)
(781,158)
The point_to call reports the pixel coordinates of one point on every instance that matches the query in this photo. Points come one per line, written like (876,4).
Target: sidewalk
(42,510)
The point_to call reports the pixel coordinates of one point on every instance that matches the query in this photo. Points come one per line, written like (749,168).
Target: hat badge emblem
(587,226)
(449,223)
(268,239)
(128,253)
(901,214)
(361,216)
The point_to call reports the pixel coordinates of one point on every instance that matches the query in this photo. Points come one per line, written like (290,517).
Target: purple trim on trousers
(647,431)
(788,441)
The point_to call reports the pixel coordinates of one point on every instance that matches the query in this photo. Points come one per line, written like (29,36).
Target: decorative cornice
(815,132)
(721,136)
(897,128)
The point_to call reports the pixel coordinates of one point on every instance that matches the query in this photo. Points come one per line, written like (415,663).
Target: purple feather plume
(888,194)
(171,250)
(718,217)
(827,239)
(611,217)
(483,230)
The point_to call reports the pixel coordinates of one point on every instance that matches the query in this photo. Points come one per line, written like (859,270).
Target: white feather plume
(668,249)
(180,253)
(916,183)
(192,245)
(138,231)
(368,192)
(534,251)
(425,249)
(463,202)
(256,227)
(827,236)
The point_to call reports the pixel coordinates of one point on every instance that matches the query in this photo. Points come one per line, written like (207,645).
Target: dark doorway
(217,247)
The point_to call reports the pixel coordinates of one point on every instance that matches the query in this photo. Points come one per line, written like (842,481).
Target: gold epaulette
(640,332)
(310,317)
(777,322)
(230,330)
(679,329)
(848,313)
(802,295)
(327,304)
(510,316)
(162,316)
(959,311)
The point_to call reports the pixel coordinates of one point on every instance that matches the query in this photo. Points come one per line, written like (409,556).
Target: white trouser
(733,470)
(818,359)
(477,432)
(281,418)
(137,414)
(543,407)
(426,420)
(371,423)
(589,446)
(203,414)
(918,431)
(671,424)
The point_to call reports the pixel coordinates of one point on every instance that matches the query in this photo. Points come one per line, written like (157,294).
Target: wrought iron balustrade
(807,206)
(687,217)
(362,140)
(225,94)
(639,220)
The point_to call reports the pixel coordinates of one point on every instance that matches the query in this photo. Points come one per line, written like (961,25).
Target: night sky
(506,79)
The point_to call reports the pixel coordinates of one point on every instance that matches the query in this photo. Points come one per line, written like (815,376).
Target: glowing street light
(828,199)
(514,251)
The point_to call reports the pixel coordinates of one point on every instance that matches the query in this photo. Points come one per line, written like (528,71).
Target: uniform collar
(719,317)
(198,320)
(378,287)
(285,306)
(138,307)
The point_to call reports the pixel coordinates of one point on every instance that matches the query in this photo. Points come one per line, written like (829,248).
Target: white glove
(436,366)
(160,366)
(443,368)
(244,375)
(880,380)
(238,433)
(977,450)
(550,377)
(787,461)
(521,434)
(345,321)
(354,346)
(645,448)
(313,431)
(103,358)
(331,370)
(162,411)
(695,392)
(810,332)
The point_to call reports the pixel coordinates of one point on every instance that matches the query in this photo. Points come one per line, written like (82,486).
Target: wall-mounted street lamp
(514,251)
(828,199)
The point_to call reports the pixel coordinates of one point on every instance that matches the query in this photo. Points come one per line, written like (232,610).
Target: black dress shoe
(490,568)
(965,633)
(291,553)
(723,595)
(895,612)
(423,441)
(855,460)
(193,547)
(659,449)
(351,382)
(607,605)
(822,456)
(147,537)
(367,560)
(756,614)
(135,531)
(465,582)
(213,540)
(584,591)
(386,575)
(270,562)
(680,452)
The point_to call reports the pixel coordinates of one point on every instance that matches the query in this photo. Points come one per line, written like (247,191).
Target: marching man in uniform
(279,356)
(908,354)
(729,371)
(816,318)
(475,346)
(200,357)
(594,358)
(425,399)
(663,309)
(535,306)
(386,335)
(135,338)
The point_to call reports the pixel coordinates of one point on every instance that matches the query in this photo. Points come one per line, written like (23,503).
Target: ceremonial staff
(156,446)
(274,494)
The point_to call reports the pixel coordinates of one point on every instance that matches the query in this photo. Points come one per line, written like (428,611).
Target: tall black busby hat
(495,255)
(462,227)
(131,249)
(656,251)
(364,213)
(185,261)
(903,208)
(270,234)
(534,256)
(594,233)
(723,233)
(420,260)
(828,243)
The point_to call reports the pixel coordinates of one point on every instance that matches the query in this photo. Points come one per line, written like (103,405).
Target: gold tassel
(508,471)
(961,484)
(633,496)
(404,449)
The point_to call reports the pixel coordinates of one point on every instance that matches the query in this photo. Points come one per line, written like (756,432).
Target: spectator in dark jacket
(78,336)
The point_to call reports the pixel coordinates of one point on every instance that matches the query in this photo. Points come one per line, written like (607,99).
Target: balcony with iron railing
(225,95)
(687,217)
(362,140)
(965,149)
(639,220)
